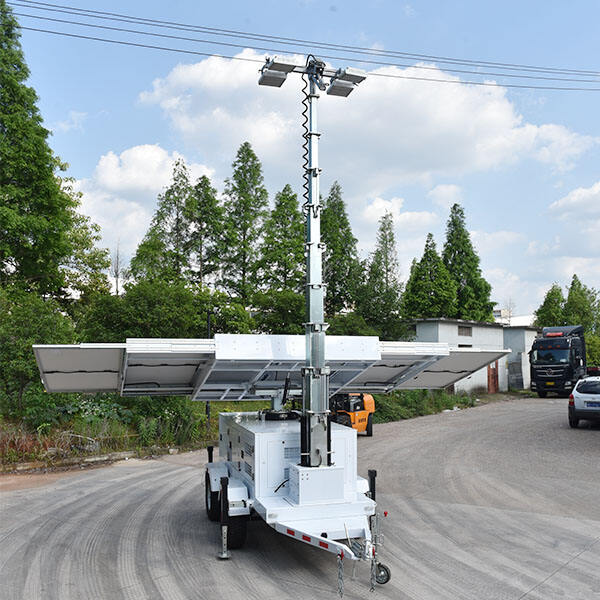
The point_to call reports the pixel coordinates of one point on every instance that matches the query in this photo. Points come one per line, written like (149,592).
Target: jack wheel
(383,574)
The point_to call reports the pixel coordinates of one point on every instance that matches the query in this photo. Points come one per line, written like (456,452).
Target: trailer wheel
(211,499)
(542,393)
(383,574)
(369,429)
(236,532)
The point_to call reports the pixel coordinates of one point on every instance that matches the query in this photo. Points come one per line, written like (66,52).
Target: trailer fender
(215,472)
(237,494)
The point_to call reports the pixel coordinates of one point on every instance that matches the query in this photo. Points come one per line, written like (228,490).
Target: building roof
(459,322)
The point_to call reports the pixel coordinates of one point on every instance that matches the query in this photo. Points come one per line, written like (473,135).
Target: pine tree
(462,262)
(581,306)
(282,250)
(430,290)
(36,215)
(341,269)
(164,251)
(379,300)
(551,312)
(245,209)
(205,239)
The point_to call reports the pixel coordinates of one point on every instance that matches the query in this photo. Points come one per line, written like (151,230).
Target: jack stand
(225,554)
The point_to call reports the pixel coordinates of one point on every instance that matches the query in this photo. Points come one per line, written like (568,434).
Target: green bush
(407,404)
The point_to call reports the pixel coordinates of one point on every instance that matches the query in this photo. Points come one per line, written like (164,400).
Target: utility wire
(294,41)
(272,49)
(246,59)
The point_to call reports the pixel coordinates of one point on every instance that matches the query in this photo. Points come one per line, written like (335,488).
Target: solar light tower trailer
(325,501)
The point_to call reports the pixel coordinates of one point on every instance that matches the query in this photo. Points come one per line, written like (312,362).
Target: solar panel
(251,367)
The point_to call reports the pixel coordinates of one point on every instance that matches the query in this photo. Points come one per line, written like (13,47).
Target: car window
(589,387)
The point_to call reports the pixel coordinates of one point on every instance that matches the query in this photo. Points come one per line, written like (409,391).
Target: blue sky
(523,163)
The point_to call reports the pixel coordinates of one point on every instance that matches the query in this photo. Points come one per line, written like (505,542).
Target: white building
(511,371)
(470,334)
(519,339)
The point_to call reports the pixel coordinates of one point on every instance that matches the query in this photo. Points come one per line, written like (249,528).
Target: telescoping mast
(314,423)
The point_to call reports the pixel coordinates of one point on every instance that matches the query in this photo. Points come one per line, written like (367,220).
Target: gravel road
(497,502)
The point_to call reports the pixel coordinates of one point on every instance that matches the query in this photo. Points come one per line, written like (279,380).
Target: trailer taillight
(571,400)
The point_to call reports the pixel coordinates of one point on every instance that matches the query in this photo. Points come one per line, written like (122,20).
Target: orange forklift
(353,410)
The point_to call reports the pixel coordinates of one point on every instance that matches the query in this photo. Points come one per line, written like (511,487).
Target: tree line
(225,257)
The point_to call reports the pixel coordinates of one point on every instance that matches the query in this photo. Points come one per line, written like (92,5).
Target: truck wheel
(542,393)
(213,510)
(369,429)
(383,574)
(573,422)
(236,532)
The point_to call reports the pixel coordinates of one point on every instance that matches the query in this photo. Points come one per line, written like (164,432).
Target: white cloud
(122,192)
(491,242)
(389,132)
(581,202)
(445,195)
(74,121)
(379,207)
(542,247)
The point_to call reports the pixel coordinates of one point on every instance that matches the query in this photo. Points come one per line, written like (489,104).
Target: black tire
(542,393)
(236,532)
(369,429)
(383,574)
(213,508)
(573,422)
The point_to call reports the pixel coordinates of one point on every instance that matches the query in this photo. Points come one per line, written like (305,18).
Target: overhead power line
(273,49)
(246,59)
(296,41)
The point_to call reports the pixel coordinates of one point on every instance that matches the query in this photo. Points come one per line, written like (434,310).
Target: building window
(465,330)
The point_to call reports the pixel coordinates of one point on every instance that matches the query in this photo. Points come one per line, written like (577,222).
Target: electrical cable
(286,40)
(272,49)
(246,59)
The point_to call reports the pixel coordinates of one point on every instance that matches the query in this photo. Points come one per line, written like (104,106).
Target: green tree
(36,215)
(280,311)
(581,306)
(379,301)
(551,312)
(341,269)
(282,250)
(160,309)
(245,210)
(26,319)
(164,253)
(205,242)
(430,290)
(462,262)
(350,324)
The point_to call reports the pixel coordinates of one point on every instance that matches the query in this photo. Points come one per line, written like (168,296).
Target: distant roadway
(499,502)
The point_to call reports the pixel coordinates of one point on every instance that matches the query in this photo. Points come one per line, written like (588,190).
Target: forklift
(353,410)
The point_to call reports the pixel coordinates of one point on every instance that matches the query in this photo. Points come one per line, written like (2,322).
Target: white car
(584,402)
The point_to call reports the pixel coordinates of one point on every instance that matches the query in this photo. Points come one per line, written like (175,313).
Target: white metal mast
(315,430)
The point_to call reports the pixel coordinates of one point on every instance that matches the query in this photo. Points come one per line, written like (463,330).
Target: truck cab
(557,360)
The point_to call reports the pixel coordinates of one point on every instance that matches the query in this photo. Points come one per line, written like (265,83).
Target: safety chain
(340,562)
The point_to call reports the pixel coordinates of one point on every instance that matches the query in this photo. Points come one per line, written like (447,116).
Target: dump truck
(557,360)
